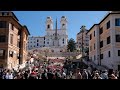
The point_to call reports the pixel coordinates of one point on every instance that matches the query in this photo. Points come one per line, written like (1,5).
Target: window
(94,57)
(108,24)
(108,53)
(63,25)
(2,53)
(34,45)
(63,39)
(101,44)
(2,38)
(117,22)
(10,53)
(117,38)
(118,52)
(86,44)
(94,33)
(44,42)
(61,50)
(47,42)
(44,38)
(48,26)
(108,40)
(3,13)
(11,38)
(37,44)
(101,56)
(3,24)
(31,42)
(37,40)
(90,36)
(94,46)
(101,30)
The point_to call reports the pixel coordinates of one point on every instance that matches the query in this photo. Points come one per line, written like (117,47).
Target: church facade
(54,38)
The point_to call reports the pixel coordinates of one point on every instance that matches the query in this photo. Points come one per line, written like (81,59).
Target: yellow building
(104,43)
(13,40)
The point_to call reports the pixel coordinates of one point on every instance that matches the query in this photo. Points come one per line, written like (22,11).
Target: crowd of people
(42,70)
(56,69)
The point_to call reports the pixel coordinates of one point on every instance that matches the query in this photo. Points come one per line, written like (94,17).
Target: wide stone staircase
(95,65)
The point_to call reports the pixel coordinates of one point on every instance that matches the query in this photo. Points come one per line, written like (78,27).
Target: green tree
(71,45)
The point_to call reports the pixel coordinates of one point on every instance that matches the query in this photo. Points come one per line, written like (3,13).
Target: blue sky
(35,20)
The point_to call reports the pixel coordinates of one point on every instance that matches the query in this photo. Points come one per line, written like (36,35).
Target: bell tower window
(48,26)
(63,25)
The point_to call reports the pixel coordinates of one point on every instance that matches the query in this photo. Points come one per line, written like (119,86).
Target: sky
(35,20)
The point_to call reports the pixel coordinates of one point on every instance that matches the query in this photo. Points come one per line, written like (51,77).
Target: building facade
(104,43)
(13,41)
(36,42)
(82,39)
(54,38)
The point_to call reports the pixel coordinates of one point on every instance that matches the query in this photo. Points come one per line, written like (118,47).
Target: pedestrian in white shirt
(9,75)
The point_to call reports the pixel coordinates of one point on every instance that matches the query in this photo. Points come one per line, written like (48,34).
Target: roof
(27,29)
(36,37)
(9,13)
(102,20)
(91,28)
(15,16)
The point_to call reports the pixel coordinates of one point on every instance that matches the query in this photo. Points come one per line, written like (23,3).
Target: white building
(54,38)
(104,43)
(36,42)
